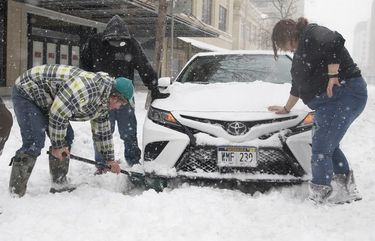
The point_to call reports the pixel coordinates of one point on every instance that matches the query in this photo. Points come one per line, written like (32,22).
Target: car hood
(225,97)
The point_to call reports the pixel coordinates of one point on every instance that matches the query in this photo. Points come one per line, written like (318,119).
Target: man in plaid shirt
(45,99)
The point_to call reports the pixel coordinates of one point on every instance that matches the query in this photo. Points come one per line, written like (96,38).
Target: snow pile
(98,210)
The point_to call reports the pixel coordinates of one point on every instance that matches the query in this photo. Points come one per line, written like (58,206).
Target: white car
(215,125)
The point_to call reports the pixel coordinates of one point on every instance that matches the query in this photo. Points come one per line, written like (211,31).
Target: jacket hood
(116,29)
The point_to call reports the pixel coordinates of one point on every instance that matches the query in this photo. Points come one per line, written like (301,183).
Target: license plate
(230,156)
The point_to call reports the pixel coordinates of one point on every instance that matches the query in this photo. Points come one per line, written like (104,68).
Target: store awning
(201,45)
(140,17)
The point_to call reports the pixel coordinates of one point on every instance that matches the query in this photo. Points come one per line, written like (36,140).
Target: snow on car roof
(238,52)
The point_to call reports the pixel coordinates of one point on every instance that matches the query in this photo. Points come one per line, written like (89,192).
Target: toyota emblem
(237,128)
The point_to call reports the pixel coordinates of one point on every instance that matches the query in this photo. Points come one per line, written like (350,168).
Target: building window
(207,11)
(222,18)
(183,6)
(3,8)
(243,30)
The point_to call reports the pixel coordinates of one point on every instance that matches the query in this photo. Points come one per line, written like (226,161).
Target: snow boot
(319,194)
(344,189)
(22,166)
(352,187)
(58,170)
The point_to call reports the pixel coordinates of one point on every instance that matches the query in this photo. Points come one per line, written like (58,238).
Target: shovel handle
(129,173)
(82,159)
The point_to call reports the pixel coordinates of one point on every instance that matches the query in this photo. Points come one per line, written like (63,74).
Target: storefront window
(53,41)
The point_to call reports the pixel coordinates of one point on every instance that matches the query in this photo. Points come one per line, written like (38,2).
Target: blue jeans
(333,117)
(33,124)
(127,127)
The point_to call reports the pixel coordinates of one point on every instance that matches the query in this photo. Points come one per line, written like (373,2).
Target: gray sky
(339,15)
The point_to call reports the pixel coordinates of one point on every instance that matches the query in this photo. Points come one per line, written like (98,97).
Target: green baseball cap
(126,88)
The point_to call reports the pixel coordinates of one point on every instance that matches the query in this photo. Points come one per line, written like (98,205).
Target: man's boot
(319,194)
(22,166)
(58,170)
(344,189)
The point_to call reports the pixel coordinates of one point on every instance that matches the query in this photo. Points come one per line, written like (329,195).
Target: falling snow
(98,210)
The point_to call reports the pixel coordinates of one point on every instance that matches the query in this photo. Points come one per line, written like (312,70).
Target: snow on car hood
(225,97)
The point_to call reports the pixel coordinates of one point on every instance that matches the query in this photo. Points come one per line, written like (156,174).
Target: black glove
(155,94)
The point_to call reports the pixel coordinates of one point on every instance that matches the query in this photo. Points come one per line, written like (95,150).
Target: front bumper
(166,149)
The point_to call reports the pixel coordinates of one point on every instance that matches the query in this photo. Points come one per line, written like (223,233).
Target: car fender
(300,146)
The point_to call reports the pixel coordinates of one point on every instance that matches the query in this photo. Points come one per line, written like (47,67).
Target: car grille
(270,161)
(198,158)
(237,128)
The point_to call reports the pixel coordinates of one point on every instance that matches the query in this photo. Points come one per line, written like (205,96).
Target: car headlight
(162,117)
(304,125)
(307,121)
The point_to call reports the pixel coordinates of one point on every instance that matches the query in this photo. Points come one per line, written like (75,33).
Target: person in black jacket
(6,122)
(116,52)
(327,80)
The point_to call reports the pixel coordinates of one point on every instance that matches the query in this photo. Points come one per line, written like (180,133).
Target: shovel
(143,180)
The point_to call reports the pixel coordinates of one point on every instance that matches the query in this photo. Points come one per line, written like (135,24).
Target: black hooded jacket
(98,55)
(5,124)
(317,47)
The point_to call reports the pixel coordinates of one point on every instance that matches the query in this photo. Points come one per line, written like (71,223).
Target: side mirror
(164,82)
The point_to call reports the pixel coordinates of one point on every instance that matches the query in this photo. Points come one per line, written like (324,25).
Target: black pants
(6,122)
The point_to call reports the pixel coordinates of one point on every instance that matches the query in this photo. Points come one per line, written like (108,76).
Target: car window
(237,68)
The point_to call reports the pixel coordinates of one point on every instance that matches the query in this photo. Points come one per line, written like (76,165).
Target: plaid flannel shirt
(67,93)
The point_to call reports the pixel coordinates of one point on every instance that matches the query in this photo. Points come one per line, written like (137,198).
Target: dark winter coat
(317,47)
(6,122)
(99,55)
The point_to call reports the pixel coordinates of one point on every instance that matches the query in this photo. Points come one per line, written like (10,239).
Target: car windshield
(237,68)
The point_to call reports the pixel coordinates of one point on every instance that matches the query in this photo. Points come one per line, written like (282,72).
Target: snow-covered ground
(98,209)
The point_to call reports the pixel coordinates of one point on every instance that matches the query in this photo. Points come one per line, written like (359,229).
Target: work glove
(155,94)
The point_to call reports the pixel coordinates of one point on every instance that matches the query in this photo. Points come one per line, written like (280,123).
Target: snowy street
(99,210)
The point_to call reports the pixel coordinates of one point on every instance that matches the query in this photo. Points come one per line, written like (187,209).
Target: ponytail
(286,30)
(301,24)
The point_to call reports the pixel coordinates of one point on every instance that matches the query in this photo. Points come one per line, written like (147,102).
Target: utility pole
(172,36)
(159,42)
(160,35)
